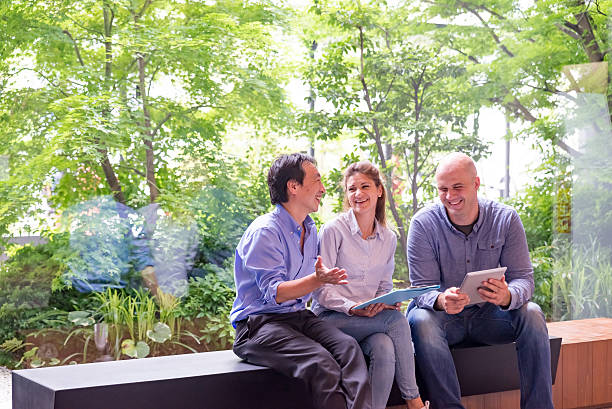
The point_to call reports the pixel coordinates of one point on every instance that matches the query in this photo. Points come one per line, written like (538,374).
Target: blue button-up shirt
(438,253)
(267,255)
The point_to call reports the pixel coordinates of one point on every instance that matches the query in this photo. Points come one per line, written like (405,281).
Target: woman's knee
(379,347)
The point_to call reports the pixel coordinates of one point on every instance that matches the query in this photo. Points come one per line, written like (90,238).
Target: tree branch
(76,47)
(470,57)
(384,98)
(81,26)
(565,28)
(491,31)
(146,4)
(598,10)
(569,149)
(362,72)
(159,125)
(589,41)
(47,79)
(152,78)
(553,91)
(136,171)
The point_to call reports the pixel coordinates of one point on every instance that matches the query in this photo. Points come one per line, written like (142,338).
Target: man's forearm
(290,290)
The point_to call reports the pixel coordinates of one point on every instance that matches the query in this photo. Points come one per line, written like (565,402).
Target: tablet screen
(472,281)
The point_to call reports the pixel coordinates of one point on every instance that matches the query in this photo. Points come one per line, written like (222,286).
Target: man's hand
(452,301)
(373,309)
(329,276)
(292,289)
(496,292)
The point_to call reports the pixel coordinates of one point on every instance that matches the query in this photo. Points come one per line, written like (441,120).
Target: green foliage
(25,279)
(130,314)
(208,296)
(160,333)
(582,281)
(535,207)
(530,59)
(542,261)
(218,332)
(10,351)
(405,102)
(333,182)
(133,349)
(26,300)
(87,116)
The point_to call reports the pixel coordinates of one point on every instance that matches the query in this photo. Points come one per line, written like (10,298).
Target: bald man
(447,240)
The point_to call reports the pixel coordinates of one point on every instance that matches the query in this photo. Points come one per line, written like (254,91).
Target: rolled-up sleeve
(515,256)
(423,264)
(263,258)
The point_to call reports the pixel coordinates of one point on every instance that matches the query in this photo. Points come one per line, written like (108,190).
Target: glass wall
(135,138)
(583,269)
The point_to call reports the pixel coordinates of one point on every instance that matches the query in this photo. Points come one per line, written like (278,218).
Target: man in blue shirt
(446,241)
(276,270)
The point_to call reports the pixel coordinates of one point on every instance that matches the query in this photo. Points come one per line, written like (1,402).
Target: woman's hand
(373,309)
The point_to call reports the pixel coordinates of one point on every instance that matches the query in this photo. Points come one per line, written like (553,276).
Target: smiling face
(308,194)
(362,194)
(458,188)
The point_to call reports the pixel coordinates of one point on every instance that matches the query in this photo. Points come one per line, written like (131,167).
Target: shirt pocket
(489,253)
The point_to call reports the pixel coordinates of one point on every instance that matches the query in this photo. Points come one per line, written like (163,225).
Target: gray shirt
(438,253)
(369,263)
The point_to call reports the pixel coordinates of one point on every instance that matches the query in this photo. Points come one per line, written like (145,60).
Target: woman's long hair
(369,170)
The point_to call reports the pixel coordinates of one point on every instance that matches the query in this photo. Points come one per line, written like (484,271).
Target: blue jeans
(434,331)
(386,340)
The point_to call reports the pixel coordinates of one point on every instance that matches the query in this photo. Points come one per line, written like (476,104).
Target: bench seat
(221,380)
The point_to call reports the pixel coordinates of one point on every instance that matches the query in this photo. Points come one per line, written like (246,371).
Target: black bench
(220,380)
(476,375)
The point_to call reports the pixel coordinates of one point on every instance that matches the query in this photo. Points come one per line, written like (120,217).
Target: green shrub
(25,287)
(207,295)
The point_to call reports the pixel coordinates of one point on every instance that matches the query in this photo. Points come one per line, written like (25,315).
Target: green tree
(114,96)
(405,103)
(532,59)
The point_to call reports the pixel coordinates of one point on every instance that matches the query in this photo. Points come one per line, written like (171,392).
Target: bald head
(458,185)
(457,161)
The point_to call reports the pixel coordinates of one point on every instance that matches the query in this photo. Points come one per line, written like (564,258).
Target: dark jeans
(300,345)
(434,331)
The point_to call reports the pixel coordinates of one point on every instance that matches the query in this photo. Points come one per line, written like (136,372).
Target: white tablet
(473,281)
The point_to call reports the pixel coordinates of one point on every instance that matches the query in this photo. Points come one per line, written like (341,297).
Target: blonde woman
(359,242)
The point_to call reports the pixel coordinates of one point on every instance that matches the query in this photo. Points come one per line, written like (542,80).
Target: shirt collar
(477,225)
(354,226)
(287,220)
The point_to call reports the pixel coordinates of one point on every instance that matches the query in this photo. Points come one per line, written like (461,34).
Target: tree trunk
(148,135)
(107,167)
(381,155)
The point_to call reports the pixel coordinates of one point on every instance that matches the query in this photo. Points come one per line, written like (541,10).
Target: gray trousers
(300,345)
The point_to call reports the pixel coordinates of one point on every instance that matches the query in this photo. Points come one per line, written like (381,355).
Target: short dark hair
(283,169)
